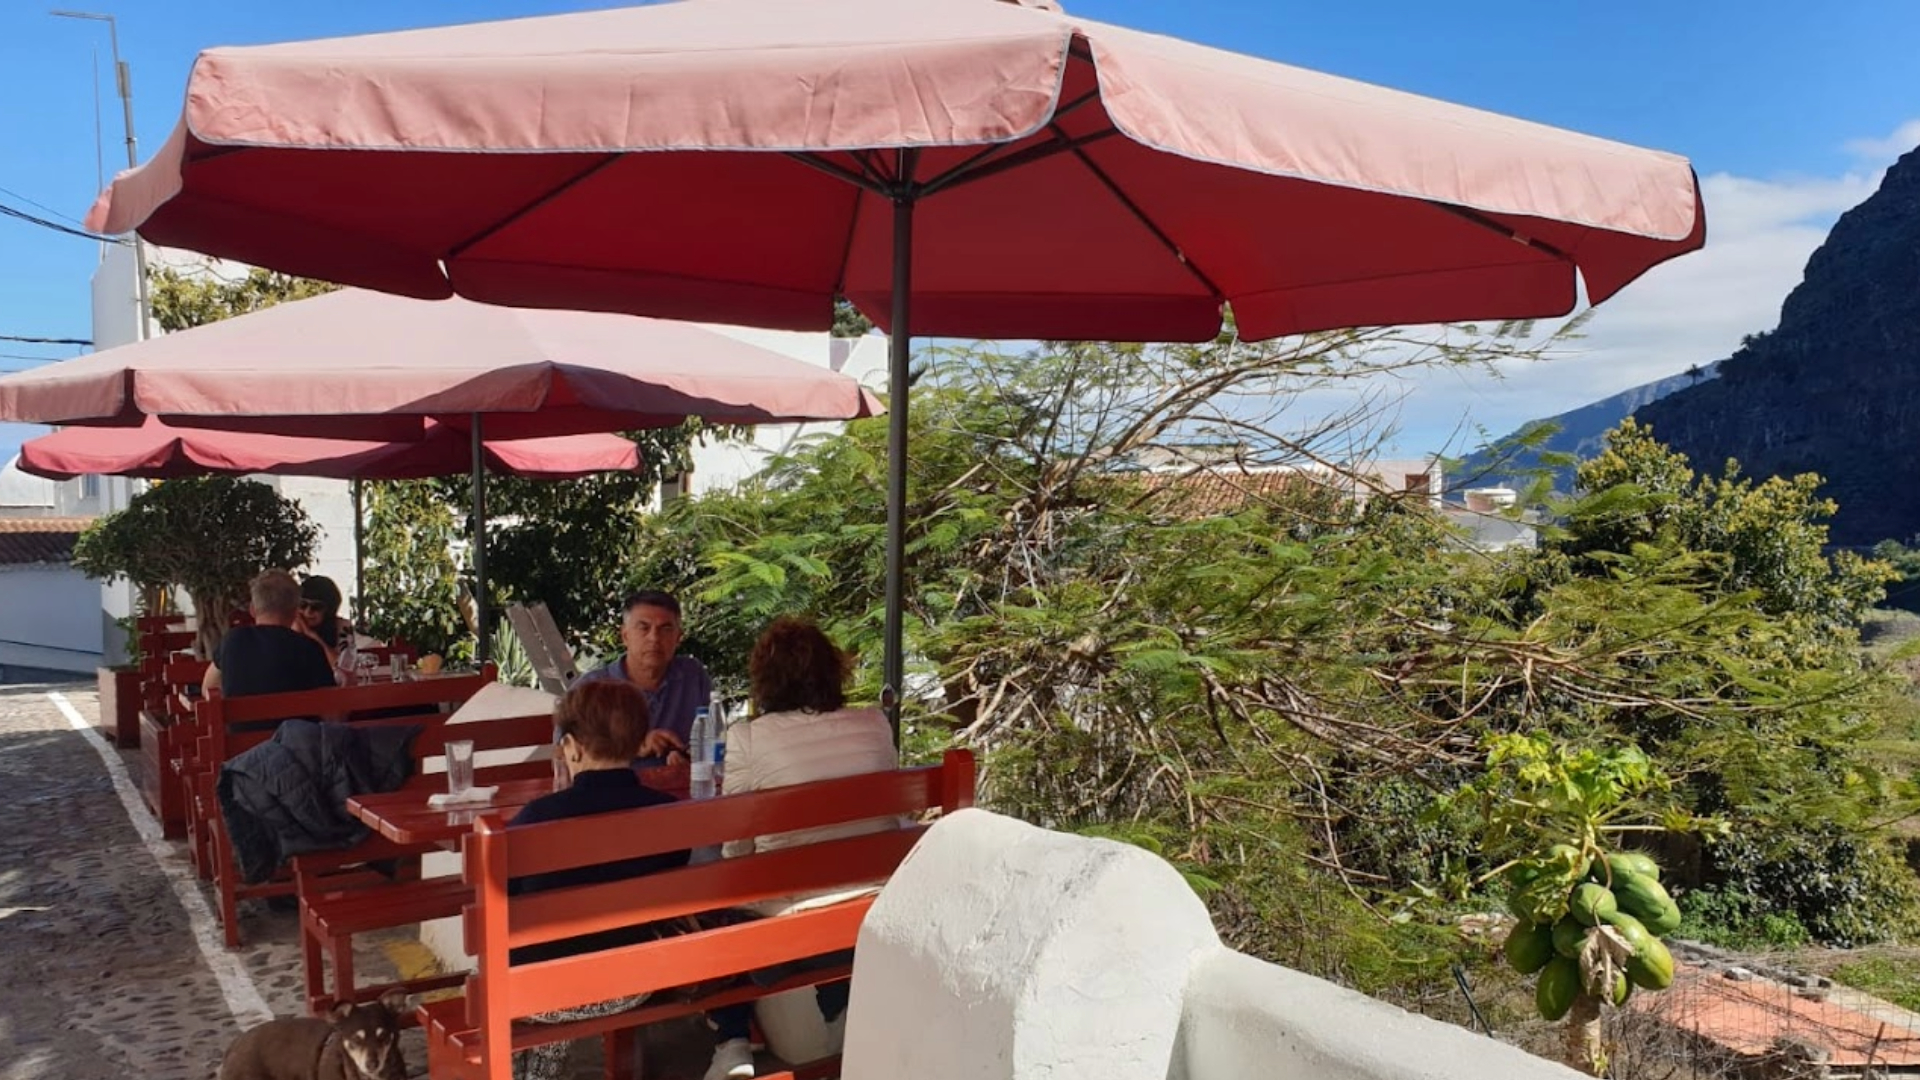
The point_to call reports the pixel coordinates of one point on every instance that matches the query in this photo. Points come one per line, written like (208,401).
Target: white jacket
(780,749)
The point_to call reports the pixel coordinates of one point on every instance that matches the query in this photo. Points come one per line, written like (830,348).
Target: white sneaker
(732,1060)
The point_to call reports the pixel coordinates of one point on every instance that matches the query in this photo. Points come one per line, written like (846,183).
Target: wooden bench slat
(724,883)
(346,699)
(681,961)
(380,906)
(561,845)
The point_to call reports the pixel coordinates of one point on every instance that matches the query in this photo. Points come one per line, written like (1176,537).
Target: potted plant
(120,691)
(208,536)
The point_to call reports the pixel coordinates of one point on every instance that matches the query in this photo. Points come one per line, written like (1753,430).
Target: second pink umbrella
(157,451)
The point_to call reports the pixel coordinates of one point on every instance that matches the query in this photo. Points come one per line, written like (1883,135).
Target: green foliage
(1739,920)
(1845,889)
(1894,978)
(1288,693)
(410,586)
(182,300)
(207,535)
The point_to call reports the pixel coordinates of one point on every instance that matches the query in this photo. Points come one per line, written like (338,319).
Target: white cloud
(1693,310)
(1904,138)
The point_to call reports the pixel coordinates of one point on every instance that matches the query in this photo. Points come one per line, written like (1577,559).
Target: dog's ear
(395,1002)
(339,1013)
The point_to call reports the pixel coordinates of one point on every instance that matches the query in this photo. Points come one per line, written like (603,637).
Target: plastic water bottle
(720,750)
(700,755)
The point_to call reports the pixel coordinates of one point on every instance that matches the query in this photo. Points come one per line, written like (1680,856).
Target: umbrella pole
(359,552)
(899,341)
(482,651)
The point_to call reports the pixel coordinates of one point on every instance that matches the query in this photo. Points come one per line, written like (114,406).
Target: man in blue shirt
(674,685)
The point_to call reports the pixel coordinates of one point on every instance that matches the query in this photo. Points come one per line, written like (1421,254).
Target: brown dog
(354,1042)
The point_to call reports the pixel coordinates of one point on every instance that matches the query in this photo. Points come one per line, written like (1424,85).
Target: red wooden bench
(473,1036)
(333,912)
(218,743)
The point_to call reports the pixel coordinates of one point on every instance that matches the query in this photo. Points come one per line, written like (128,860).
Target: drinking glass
(459,766)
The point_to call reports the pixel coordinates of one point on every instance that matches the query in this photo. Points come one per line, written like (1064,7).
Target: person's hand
(660,742)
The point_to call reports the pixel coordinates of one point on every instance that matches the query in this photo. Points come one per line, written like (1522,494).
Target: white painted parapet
(1245,1018)
(1002,951)
(999,950)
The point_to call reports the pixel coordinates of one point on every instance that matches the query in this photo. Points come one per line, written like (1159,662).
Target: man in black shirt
(277,654)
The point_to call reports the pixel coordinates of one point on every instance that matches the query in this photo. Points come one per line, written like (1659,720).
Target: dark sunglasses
(309,605)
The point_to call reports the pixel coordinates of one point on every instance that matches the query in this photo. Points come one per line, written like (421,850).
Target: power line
(42,206)
(47,341)
(14,212)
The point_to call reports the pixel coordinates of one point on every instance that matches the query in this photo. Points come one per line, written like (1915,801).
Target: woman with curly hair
(802,731)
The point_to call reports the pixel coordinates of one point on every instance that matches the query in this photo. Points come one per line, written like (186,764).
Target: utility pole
(123,79)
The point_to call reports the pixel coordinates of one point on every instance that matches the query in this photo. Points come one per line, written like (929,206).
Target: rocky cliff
(1835,388)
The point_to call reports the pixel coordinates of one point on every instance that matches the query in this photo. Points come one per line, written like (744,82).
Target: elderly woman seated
(803,731)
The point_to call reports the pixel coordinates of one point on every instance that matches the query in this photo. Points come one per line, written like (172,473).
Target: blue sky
(1788,110)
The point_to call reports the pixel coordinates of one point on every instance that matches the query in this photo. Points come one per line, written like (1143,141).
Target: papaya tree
(1591,910)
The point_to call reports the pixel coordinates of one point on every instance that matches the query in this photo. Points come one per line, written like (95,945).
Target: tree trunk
(1583,1049)
(212,610)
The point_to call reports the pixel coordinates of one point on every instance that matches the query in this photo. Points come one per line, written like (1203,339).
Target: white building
(50,618)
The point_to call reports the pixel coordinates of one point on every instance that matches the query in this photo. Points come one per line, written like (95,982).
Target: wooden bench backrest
(533,733)
(501,992)
(218,715)
(181,681)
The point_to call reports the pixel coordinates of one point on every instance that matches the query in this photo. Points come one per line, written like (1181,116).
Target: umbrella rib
(1140,215)
(548,196)
(1514,235)
(841,172)
(1039,152)
(846,249)
(975,161)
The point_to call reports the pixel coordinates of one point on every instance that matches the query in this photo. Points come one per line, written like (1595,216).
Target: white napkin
(472,795)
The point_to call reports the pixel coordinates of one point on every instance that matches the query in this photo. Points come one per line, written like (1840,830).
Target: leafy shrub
(1843,888)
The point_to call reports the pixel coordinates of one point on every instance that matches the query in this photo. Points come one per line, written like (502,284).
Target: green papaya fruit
(1637,935)
(1571,858)
(1529,947)
(1645,899)
(1634,862)
(1568,936)
(1559,984)
(1622,990)
(1591,903)
(1651,968)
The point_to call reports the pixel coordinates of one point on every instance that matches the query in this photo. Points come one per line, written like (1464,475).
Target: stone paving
(101,974)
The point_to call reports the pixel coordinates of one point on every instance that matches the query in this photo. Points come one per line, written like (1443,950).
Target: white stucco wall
(1001,951)
(49,619)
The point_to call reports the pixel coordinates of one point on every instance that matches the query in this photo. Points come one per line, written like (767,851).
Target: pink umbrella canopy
(158,451)
(1071,179)
(366,365)
(954,167)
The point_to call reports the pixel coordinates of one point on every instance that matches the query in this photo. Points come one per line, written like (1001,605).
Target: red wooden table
(404,817)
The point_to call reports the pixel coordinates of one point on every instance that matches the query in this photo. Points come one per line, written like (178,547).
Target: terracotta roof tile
(38,539)
(1208,493)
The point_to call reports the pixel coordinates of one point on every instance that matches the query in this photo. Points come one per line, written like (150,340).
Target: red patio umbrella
(354,364)
(156,451)
(1062,179)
